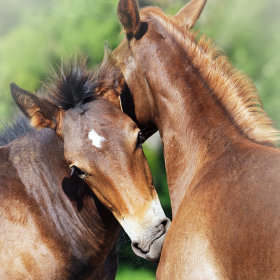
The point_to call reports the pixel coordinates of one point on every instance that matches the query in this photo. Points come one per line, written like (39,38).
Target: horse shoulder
(231,211)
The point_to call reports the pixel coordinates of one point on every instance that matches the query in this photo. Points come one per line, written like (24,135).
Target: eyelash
(75,170)
(140,140)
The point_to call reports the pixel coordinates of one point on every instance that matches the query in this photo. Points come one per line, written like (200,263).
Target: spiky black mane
(17,129)
(71,85)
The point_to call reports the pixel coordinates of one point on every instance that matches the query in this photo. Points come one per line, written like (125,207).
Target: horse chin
(155,248)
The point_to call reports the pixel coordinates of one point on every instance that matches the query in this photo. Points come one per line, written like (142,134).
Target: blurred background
(37,34)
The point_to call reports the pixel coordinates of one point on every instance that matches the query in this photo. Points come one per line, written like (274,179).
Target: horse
(44,234)
(221,158)
(87,150)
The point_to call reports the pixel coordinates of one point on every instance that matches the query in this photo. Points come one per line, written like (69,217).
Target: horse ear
(129,16)
(40,111)
(110,79)
(190,13)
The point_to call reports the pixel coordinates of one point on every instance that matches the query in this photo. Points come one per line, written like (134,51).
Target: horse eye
(77,171)
(140,140)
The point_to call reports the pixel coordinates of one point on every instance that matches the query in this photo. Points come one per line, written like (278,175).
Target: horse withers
(46,237)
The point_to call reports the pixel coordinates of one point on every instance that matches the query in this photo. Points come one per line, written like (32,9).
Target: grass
(126,272)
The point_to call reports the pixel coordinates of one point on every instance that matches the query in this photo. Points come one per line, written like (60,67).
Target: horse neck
(89,232)
(193,126)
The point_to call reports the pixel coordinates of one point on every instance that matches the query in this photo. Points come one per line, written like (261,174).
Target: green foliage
(127,273)
(46,33)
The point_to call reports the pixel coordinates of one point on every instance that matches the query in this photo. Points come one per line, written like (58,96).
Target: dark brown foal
(52,225)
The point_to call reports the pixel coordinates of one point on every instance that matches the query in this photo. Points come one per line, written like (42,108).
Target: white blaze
(95,138)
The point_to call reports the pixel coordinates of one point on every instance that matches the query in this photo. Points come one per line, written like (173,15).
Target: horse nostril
(164,222)
(136,246)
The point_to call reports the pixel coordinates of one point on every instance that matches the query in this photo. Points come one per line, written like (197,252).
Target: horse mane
(70,85)
(231,87)
(74,84)
(15,130)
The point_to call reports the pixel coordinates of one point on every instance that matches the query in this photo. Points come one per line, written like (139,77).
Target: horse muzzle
(146,228)
(150,245)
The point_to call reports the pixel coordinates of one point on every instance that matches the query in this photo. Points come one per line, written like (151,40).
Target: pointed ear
(129,16)
(41,112)
(189,14)
(110,79)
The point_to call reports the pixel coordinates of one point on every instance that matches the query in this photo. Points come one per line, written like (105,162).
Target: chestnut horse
(44,235)
(221,160)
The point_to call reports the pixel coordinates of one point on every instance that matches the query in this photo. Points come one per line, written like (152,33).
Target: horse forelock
(75,84)
(232,88)
(70,85)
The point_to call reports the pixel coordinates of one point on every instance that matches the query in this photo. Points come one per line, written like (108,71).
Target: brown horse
(45,236)
(219,146)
